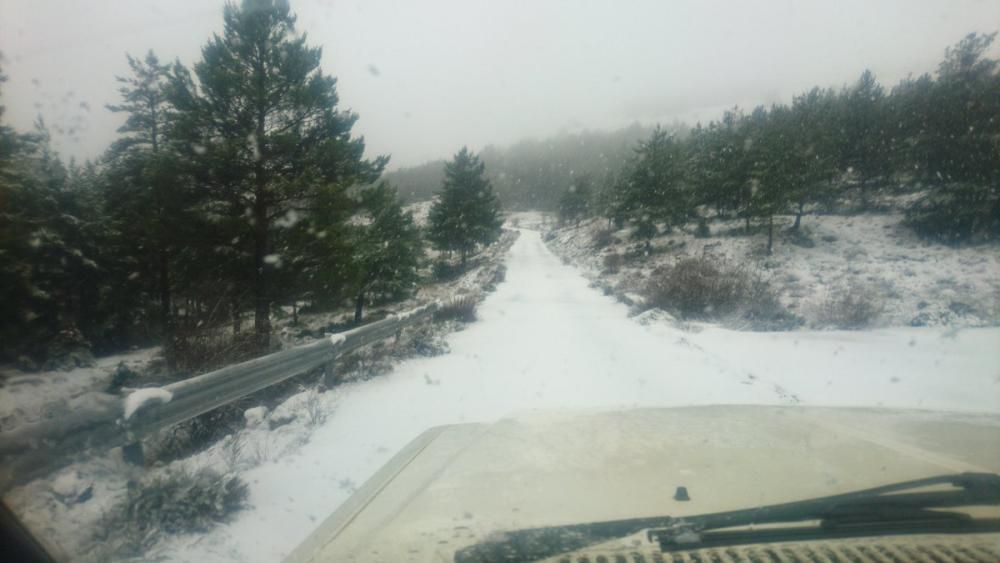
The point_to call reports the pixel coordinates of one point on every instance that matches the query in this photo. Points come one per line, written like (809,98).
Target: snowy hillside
(914,282)
(545,339)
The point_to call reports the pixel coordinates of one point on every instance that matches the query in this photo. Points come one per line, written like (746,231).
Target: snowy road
(546,340)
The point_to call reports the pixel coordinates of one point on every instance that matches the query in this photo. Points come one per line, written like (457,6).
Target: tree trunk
(359,306)
(770,234)
(262,291)
(295,312)
(747,227)
(262,303)
(798,218)
(234,311)
(166,319)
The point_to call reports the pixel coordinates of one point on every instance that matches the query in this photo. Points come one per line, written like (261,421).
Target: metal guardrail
(33,450)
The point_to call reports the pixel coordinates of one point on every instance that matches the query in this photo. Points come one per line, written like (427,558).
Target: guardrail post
(328,376)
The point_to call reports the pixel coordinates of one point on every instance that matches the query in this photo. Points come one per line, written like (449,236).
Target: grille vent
(880,550)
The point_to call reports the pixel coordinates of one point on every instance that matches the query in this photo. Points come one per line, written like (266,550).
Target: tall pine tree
(144,180)
(466,214)
(386,248)
(263,128)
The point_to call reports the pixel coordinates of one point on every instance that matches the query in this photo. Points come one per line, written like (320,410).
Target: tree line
(532,174)
(937,136)
(235,186)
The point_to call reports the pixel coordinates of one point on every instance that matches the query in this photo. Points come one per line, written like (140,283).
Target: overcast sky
(429,76)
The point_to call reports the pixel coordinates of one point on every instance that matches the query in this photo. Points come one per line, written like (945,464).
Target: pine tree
(144,180)
(814,146)
(574,204)
(263,129)
(45,254)
(386,248)
(654,185)
(775,162)
(466,214)
(961,147)
(864,150)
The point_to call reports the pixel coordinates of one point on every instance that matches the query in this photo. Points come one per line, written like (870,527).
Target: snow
(143,397)
(336,339)
(68,484)
(255,416)
(545,339)
(30,397)
(919,283)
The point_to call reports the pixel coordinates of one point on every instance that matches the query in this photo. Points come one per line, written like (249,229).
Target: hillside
(909,282)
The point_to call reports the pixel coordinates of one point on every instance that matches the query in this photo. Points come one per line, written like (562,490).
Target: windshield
(251,252)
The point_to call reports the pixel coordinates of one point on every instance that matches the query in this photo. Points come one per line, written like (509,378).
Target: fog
(428,77)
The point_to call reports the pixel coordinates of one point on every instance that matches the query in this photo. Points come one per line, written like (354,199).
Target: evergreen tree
(775,164)
(962,148)
(608,200)
(654,185)
(864,151)
(44,252)
(262,127)
(575,201)
(386,248)
(144,180)
(814,149)
(466,214)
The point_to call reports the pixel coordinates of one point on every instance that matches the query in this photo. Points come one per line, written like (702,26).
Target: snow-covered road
(545,339)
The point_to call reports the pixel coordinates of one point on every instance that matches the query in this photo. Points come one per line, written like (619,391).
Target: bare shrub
(232,451)
(603,239)
(366,363)
(422,340)
(613,263)
(195,434)
(461,308)
(856,306)
(315,411)
(708,288)
(202,350)
(762,308)
(697,288)
(178,502)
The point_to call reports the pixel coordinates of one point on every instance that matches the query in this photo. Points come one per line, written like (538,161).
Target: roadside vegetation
(693,222)
(201,227)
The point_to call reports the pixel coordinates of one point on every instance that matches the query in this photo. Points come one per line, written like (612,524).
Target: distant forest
(533,173)
(935,136)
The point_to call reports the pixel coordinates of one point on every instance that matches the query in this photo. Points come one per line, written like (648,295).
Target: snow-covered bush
(193,435)
(708,288)
(366,363)
(762,309)
(852,307)
(176,502)
(424,339)
(462,308)
(697,287)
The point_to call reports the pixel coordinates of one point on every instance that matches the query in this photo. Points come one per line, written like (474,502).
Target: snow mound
(255,416)
(142,397)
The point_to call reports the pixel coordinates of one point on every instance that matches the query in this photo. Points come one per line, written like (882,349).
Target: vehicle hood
(455,485)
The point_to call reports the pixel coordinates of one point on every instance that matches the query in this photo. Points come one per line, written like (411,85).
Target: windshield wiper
(881,510)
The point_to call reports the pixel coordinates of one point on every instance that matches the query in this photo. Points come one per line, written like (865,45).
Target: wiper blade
(886,509)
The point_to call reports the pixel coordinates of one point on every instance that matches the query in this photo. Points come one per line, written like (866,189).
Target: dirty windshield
(267,261)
